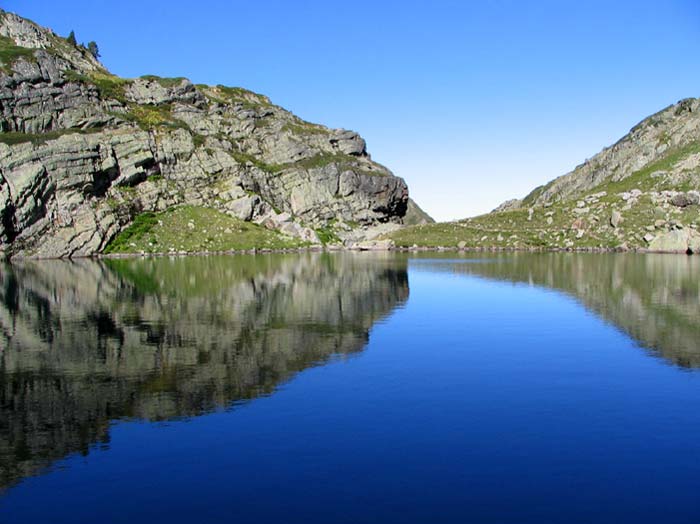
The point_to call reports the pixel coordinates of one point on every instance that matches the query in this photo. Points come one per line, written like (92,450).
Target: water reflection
(654,298)
(85,342)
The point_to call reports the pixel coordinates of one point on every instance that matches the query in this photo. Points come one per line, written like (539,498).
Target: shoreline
(376,249)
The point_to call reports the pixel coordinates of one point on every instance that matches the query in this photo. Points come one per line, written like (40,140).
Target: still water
(353,388)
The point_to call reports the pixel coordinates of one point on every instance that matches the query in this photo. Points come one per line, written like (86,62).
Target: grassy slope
(559,226)
(195,229)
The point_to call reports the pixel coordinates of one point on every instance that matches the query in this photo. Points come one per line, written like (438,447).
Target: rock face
(83,152)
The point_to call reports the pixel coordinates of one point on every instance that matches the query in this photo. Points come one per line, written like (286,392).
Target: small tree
(71,39)
(94,50)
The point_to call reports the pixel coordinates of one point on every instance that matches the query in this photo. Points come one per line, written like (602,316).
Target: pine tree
(94,50)
(71,39)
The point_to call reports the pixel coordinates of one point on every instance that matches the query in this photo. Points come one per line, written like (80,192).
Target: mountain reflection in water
(87,342)
(654,298)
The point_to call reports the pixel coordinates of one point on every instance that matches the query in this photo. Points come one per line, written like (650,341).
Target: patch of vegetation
(93,49)
(451,234)
(244,97)
(10,53)
(165,81)
(344,162)
(195,229)
(109,87)
(141,226)
(327,235)
(198,139)
(150,117)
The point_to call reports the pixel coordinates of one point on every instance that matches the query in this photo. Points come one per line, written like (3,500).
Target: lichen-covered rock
(83,152)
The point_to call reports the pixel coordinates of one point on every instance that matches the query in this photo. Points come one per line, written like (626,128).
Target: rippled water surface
(351,388)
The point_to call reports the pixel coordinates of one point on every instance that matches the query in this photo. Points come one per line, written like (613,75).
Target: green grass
(142,225)
(10,53)
(151,117)
(165,82)
(450,234)
(109,87)
(195,229)
(198,140)
(243,96)
(327,235)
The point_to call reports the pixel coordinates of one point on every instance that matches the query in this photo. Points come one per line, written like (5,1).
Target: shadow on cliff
(85,342)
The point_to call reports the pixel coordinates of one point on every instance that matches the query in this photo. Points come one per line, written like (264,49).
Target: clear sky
(472,102)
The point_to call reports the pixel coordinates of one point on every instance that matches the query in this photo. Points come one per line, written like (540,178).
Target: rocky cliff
(641,193)
(84,152)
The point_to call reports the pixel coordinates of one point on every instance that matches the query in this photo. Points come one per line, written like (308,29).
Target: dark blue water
(352,388)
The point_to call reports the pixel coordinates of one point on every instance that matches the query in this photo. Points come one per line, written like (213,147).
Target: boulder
(677,241)
(691,198)
(615,218)
(373,245)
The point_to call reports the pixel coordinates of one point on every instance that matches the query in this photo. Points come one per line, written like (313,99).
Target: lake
(351,388)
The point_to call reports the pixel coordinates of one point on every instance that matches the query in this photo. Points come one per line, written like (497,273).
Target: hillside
(86,155)
(642,193)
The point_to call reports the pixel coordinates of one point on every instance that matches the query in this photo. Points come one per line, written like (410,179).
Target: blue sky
(471,102)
